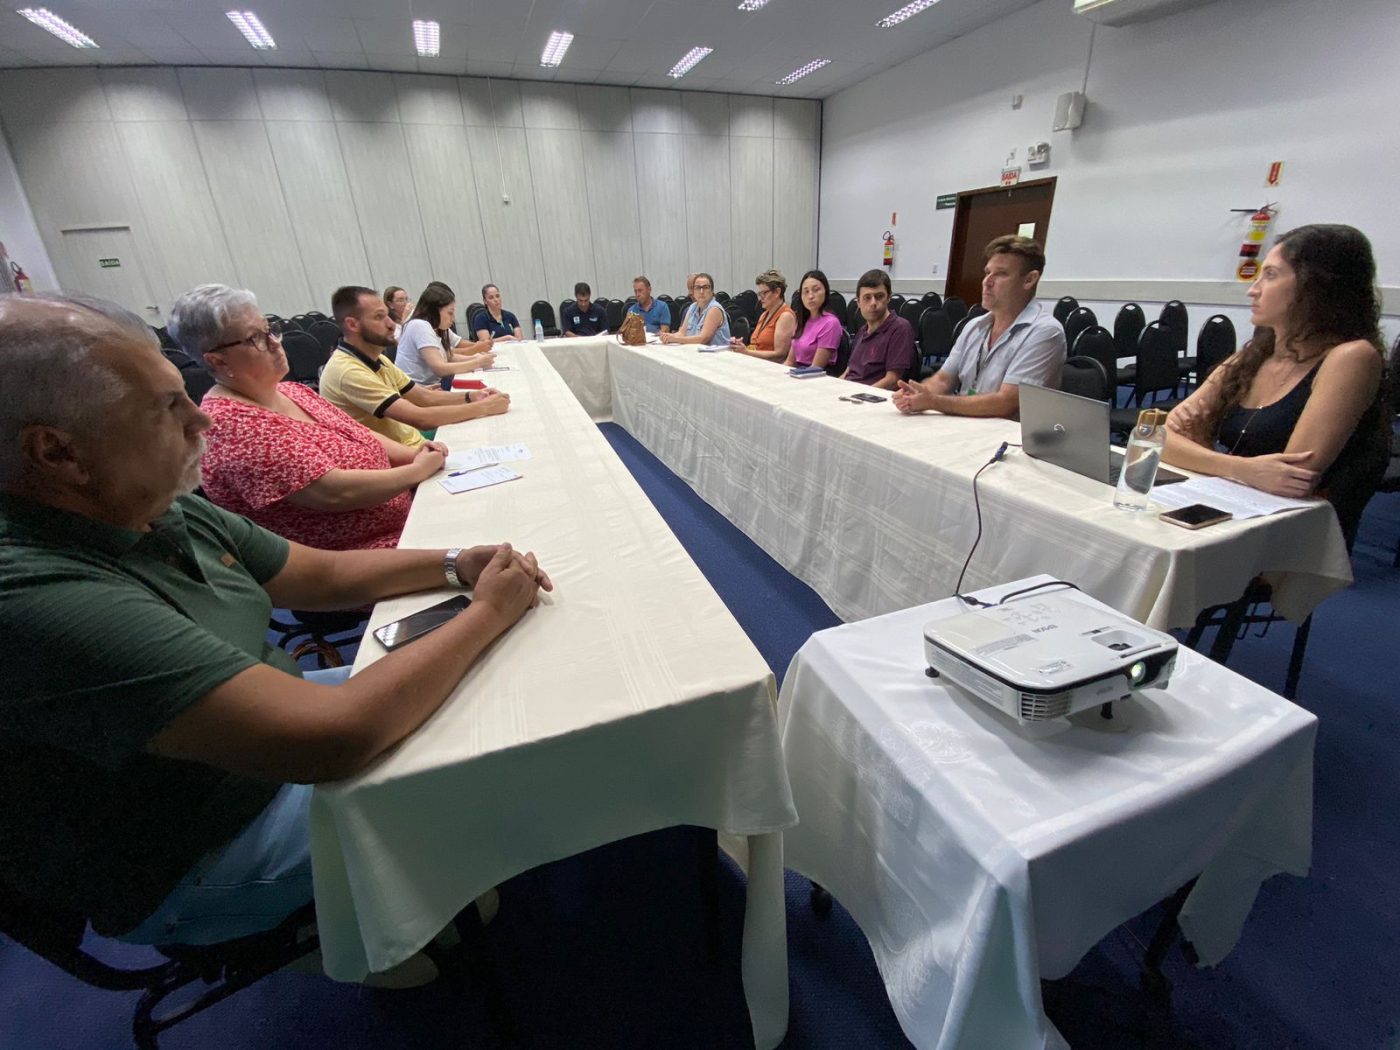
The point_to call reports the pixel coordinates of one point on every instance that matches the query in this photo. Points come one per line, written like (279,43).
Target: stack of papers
(1240,500)
(472,459)
(806,373)
(713,349)
(480,478)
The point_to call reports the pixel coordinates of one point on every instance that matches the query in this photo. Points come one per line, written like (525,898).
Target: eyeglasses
(258,340)
(702,287)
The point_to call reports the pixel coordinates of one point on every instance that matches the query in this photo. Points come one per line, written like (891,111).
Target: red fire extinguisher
(1253,243)
(889,248)
(23,284)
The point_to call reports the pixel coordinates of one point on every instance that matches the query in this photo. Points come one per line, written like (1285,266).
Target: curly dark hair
(1335,301)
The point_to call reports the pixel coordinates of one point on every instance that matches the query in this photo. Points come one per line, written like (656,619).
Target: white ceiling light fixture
(426,38)
(46,19)
(752,5)
(905,13)
(689,62)
(553,53)
(798,74)
(252,29)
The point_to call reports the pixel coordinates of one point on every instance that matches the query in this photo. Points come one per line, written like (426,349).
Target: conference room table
(979,859)
(628,700)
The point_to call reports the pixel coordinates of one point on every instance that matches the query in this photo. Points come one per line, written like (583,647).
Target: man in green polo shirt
(149,735)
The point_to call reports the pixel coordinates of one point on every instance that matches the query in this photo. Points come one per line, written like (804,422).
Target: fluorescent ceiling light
(426,38)
(752,5)
(906,12)
(686,64)
(252,29)
(553,52)
(810,67)
(46,19)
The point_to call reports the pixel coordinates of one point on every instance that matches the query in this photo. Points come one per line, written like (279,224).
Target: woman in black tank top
(1299,410)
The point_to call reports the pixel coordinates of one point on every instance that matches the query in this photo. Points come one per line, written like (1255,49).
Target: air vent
(1040,708)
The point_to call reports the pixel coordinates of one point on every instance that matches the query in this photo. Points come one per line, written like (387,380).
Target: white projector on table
(1048,655)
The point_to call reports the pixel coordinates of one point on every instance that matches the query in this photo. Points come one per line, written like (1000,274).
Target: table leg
(764,964)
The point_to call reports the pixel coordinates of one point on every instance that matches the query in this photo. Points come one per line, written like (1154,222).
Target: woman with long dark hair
(1299,409)
(429,350)
(818,332)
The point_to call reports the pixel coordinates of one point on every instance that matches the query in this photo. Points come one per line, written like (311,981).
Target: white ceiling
(627,42)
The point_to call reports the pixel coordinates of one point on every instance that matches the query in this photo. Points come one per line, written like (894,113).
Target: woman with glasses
(818,332)
(705,321)
(772,334)
(429,349)
(281,454)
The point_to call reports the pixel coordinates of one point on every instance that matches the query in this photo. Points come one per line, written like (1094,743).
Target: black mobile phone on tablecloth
(1196,516)
(415,625)
(872,398)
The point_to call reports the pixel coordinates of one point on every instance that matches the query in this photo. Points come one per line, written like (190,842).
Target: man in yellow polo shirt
(372,389)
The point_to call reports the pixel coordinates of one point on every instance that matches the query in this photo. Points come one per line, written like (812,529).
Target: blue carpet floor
(606,949)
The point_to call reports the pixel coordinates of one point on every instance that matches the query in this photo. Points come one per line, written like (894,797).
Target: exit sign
(108,264)
(945,201)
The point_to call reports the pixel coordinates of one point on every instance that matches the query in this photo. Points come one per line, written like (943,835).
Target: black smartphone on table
(1196,516)
(415,625)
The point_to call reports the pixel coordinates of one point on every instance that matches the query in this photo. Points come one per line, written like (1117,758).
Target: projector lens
(1137,672)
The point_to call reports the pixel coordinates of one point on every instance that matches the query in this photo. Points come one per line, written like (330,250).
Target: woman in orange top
(772,334)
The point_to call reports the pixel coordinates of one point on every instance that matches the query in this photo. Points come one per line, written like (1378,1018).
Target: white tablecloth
(629,700)
(875,511)
(582,362)
(978,861)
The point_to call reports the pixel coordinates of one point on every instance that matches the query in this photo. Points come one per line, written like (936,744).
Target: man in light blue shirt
(655,314)
(1016,341)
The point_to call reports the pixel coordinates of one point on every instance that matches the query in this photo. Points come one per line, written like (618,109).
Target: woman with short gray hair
(279,453)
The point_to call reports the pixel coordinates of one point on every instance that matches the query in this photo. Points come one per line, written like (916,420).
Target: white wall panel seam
(204,173)
(286,205)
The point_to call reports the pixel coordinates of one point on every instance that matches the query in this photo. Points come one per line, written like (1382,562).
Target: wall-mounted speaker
(1069,111)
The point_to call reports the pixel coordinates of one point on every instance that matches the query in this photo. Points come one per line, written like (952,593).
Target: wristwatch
(449,567)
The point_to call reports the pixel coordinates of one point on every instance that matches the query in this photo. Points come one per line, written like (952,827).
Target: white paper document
(1240,500)
(477,479)
(471,459)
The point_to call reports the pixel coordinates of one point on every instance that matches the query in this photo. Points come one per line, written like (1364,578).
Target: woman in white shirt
(429,350)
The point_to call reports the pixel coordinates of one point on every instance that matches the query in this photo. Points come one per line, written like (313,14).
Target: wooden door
(983,216)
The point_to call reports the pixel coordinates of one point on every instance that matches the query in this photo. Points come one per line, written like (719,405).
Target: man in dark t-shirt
(583,316)
(884,348)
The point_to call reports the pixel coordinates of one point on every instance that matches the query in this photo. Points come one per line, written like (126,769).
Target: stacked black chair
(316,315)
(911,311)
(958,325)
(897,302)
(1086,377)
(955,308)
(1155,371)
(976,310)
(304,357)
(541,311)
(748,299)
(1127,330)
(302,321)
(326,333)
(1174,318)
(935,336)
(722,297)
(1078,320)
(931,299)
(1097,342)
(616,311)
(1066,306)
(1214,343)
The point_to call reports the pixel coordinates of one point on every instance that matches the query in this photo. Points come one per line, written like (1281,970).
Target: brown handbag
(633,330)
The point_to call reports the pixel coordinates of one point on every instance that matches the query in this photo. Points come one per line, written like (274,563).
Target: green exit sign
(108,264)
(946,200)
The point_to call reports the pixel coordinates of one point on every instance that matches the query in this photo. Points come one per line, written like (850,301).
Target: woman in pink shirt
(818,333)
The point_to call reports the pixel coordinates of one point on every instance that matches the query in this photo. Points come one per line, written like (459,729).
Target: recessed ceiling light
(46,19)
(810,67)
(553,52)
(686,64)
(426,38)
(752,5)
(906,12)
(252,29)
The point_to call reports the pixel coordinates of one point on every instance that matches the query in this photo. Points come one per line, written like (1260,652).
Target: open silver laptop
(1072,432)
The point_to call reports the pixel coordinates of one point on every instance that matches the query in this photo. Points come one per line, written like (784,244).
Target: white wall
(293,182)
(1185,115)
(18,233)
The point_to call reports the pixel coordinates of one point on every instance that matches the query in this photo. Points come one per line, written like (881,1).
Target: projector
(1047,656)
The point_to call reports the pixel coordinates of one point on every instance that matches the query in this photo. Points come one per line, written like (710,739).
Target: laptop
(1072,432)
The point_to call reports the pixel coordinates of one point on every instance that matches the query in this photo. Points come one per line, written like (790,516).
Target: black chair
(316,315)
(1127,330)
(664,297)
(1174,318)
(1154,371)
(678,308)
(841,360)
(976,310)
(56,935)
(1066,306)
(739,327)
(1078,320)
(616,311)
(327,333)
(960,323)
(1214,343)
(836,303)
(541,311)
(935,336)
(897,302)
(854,318)
(1086,377)
(748,299)
(931,299)
(955,308)
(723,297)
(198,381)
(305,356)
(1097,342)
(302,321)
(911,311)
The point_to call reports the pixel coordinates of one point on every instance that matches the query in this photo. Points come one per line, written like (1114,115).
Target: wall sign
(1010,176)
(109,264)
(1275,173)
(946,200)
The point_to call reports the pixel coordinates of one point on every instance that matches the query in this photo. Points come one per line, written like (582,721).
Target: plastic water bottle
(539,331)
(1141,460)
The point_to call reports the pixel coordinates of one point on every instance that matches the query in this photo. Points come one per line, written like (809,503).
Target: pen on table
(468,470)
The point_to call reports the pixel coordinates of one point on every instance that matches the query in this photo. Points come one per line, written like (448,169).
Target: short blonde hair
(772,279)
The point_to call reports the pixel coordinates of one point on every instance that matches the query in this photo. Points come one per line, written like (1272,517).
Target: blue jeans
(251,884)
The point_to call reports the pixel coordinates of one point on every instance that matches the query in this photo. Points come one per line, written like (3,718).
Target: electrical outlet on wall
(935,269)
(505,198)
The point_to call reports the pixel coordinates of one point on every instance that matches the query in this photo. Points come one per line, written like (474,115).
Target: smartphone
(1196,516)
(415,625)
(872,398)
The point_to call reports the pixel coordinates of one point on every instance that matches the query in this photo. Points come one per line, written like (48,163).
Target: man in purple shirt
(884,349)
